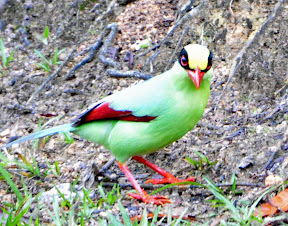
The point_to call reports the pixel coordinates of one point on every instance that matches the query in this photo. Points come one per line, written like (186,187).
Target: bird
(146,117)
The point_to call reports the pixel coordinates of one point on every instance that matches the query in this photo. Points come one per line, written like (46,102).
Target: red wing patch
(103,111)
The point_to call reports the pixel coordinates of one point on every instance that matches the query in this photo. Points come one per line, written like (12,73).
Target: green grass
(202,163)
(104,205)
(44,37)
(240,213)
(47,63)
(4,63)
(75,209)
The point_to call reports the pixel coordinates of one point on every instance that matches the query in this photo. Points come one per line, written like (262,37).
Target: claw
(142,195)
(168,177)
(155,199)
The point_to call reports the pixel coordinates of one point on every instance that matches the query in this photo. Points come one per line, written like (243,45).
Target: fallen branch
(273,150)
(194,12)
(107,61)
(88,59)
(107,165)
(109,9)
(96,46)
(124,74)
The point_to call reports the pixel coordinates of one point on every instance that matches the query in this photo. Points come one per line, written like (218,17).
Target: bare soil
(240,129)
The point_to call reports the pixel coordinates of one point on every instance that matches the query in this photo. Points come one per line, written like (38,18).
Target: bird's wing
(140,103)
(103,110)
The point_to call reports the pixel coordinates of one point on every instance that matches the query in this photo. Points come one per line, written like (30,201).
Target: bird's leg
(142,195)
(168,177)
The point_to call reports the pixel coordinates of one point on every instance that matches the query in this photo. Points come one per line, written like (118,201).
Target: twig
(194,12)
(184,9)
(237,133)
(281,89)
(151,59)
(92,50)
(147,51)
(54,74)
(67,17)
(35,75)
(24,109)
(76,91)
(124,74)
(109,9)
(96,6)
(269,116)
(237,61)
(107,61)
(95,47)
(208,126)
(107,165)
(88,49)
(184,32)
(274,151)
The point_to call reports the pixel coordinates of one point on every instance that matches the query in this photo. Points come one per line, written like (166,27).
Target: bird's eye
(184,61)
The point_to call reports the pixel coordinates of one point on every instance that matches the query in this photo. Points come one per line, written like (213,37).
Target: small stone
(62,56)
(113,176)
(19,73)
(123,83)
(272,180)
(259,129)
(82,165)
(247,161)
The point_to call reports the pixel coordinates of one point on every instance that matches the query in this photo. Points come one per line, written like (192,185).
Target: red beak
(196,76)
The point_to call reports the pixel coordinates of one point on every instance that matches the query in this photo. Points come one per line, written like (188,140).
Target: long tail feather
(42,133)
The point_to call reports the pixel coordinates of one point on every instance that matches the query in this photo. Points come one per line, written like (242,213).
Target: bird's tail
(42,133)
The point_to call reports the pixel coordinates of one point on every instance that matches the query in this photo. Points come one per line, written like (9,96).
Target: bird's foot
(155,199)
(170,179)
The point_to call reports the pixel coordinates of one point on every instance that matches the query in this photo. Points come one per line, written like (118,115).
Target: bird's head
(196,60)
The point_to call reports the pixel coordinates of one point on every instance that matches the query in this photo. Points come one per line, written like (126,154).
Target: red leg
(168,177)
(142,195)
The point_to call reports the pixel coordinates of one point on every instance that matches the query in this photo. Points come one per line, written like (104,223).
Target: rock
(19,73)
(272,180)
(65,189)
(246,162)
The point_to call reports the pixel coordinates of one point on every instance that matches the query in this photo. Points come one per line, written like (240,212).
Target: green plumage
(171,96)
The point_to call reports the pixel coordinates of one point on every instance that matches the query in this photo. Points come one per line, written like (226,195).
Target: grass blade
(24,209)
(126,218)
(113,219)
(3,54)
(6,175)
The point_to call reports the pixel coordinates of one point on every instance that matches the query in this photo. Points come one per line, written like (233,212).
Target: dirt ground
(240,128)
